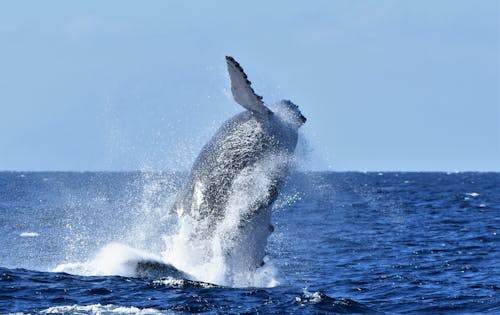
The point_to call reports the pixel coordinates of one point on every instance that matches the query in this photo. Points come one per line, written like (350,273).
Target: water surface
(343,243)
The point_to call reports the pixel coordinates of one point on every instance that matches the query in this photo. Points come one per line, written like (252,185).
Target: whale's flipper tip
(242,90)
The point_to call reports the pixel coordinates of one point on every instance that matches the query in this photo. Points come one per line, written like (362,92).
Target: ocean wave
(29,234)
(182,283)
(101,309)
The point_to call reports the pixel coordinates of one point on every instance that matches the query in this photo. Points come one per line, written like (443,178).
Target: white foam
(29,234)
(230,255)
(171,282)
(472,194)
(177,243)
(180,283)
(101,309)
(113,259)
(315,297)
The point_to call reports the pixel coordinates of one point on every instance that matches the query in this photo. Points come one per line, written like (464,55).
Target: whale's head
(289,113)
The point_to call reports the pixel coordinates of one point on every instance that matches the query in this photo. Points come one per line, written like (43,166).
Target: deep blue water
(408,243)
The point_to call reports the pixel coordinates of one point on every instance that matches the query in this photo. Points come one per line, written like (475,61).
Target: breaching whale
(218,230)
(241,169)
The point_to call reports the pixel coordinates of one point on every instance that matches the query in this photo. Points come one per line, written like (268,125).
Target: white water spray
(224,258)
(228,255)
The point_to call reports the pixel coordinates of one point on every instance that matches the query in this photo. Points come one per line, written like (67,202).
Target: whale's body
(239,172)
(239,144)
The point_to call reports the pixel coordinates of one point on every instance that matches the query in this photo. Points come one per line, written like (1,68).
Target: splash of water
(113,259)
(238,242)
(225,258)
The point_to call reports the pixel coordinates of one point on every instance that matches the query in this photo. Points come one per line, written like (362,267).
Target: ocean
(343,242)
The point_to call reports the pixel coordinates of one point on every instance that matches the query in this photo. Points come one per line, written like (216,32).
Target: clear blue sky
(122,85)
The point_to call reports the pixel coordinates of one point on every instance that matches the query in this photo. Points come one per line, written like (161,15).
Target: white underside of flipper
(242,90)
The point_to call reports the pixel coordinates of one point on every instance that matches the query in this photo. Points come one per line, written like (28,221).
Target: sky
(128,85)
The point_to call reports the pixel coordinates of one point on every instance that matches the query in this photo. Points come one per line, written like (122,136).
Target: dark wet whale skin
(240,142)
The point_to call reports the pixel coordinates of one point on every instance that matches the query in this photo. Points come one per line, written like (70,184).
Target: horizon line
(291,171)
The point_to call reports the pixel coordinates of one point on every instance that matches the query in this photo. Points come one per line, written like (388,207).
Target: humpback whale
(220,220)
(238,174)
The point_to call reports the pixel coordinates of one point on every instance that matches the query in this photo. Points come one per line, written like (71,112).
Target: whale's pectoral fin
(242,90)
